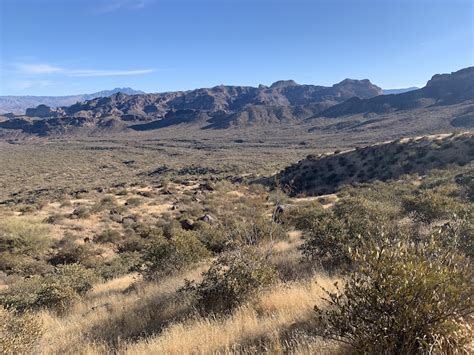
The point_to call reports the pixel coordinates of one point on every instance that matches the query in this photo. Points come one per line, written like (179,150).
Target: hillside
(19,104)
(324,174)
(441,90)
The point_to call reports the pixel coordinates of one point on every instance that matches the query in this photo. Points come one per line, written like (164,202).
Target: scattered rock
(208,186)
(187,224)
(208,219)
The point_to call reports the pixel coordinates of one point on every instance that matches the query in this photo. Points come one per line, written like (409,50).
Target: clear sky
(59,47)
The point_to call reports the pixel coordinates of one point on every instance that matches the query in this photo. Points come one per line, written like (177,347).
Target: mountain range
(446,99)
(19,104)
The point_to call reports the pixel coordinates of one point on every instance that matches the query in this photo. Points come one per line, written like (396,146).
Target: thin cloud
(90,73)
(48,69)
(115,5)
(28,84)
(38,69)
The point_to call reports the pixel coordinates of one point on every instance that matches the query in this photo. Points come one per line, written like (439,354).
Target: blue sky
(60,47)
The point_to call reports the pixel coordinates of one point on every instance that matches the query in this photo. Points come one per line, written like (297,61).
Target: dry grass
(120,284)
(109,314)
(110,320)
(260,326)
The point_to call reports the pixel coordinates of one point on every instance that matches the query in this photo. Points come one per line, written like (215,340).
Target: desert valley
(224,177)
(240,220)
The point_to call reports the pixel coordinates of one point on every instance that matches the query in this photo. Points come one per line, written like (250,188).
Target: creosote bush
(213,237)
(403,298)
(23,236)
(234,278)
(164,256)
(254,230)
(56,291)
(428,206)
(108,236)
(330,233)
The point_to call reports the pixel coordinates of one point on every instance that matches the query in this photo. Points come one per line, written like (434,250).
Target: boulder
(187,224)
(208,219)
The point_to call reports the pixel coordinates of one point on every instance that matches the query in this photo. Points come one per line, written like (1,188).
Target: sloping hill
(324,174)
(442,89)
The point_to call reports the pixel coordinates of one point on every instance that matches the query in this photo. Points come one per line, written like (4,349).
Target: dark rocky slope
(325,174)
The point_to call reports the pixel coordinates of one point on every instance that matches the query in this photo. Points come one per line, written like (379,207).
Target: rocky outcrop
(43,111)
(444,89)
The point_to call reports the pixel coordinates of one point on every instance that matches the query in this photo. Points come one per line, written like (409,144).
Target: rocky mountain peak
(283,83)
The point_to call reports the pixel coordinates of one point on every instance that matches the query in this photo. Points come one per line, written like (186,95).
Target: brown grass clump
(116,311)
(19,333)
(280,313)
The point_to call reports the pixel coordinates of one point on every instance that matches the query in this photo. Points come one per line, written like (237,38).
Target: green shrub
(23,236)
(254,230)
(304,217)
(80,278)
(327,241)
(81,212)
(331,233)
(55,296)
(134,201)
(428,206)
(362,215)
(23,265)
(22,295)
(458,233)
(167,255)
(233,279)
(72,253)
(120,265)
(56,291)
(19,333)
(213,237)
(403,298)
(132,243)
(108,236)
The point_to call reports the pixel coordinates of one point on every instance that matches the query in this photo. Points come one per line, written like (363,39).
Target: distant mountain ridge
(19,104)
(218,107)
(353,105)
